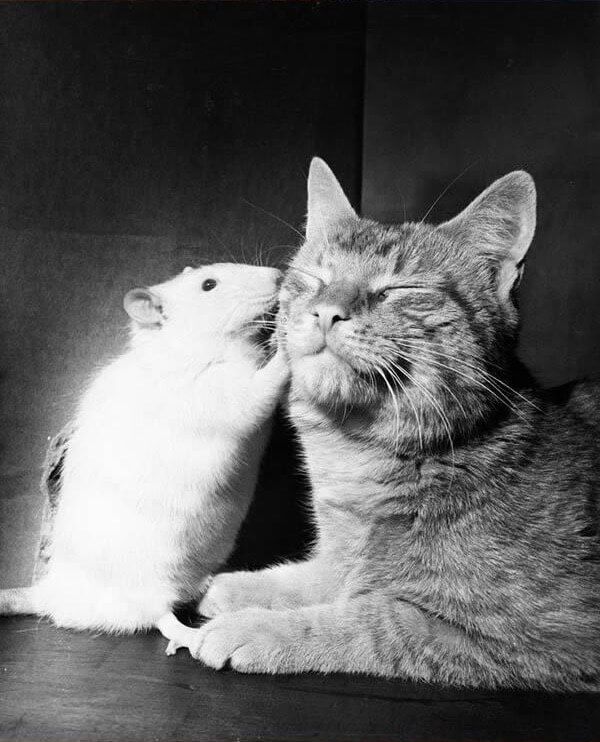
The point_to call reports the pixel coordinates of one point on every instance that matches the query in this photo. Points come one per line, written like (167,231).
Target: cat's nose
(328,314)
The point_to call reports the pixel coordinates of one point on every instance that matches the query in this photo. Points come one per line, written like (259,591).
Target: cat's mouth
(327,357)
(360,364)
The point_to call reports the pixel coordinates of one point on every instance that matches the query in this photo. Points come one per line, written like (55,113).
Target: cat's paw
(250,640)
(232,591)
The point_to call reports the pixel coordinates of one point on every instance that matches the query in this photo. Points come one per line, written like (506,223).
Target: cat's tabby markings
(457,507)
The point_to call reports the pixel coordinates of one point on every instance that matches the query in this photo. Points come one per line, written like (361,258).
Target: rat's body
(162,465)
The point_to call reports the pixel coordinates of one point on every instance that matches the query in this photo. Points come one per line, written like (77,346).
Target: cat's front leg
(314,638)
(372,634)
(285,585)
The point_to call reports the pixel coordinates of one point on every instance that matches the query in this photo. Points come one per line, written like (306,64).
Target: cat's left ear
(500,222)
(327,202)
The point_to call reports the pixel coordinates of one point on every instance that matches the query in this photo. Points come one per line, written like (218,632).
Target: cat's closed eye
(411,293)
(415,298)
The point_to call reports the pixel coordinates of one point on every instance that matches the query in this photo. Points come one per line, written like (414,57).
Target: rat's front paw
(276,373)
(250,640)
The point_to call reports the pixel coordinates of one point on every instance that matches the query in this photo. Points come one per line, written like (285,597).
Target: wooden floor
(60,685)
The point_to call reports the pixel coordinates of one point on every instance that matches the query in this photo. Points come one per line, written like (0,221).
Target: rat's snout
(276,276)
(267,278)
(271,279)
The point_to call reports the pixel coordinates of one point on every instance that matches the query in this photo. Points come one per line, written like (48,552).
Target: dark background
(139,138)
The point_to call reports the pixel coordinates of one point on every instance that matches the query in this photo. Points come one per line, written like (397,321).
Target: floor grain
(61,685)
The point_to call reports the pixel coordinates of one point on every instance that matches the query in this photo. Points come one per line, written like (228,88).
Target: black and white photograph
(300,374)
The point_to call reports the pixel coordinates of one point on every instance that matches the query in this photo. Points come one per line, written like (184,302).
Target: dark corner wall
(137,138)
(457,95)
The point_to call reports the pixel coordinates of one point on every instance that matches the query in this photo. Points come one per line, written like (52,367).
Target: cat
(456,505)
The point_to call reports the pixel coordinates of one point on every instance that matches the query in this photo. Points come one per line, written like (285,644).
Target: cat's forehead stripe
(377,248)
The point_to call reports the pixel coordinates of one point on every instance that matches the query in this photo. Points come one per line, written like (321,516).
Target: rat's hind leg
(177,633)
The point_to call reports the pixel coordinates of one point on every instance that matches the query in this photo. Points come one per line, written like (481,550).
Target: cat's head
(424,311)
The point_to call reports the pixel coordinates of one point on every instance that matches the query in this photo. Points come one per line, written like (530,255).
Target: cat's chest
(354,474)
(337,453)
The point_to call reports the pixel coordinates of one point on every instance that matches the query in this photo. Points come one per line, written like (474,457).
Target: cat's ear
(500,222)
(144,307)
(327,202)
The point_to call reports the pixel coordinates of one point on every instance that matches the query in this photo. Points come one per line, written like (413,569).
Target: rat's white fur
(163,462)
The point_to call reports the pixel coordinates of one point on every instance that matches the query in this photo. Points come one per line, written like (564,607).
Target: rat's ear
(327,202)
(144,307)
(188,269)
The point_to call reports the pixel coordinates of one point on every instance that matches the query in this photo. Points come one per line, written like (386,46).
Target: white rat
(163,461)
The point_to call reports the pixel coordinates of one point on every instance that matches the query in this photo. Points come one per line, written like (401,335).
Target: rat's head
(417,312)
(224,301)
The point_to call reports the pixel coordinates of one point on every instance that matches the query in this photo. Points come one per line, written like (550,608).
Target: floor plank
(61,685)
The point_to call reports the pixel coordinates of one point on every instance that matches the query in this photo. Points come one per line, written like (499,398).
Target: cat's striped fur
(456,505)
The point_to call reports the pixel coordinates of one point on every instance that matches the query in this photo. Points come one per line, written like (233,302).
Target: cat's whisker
(493,392)
(392,373)
(269,251)
(422,346)
(274,216)
(459,404)
(423,358)
(418,342)
(372,379)
(404,390)
(345,413)
(414,242)
(444,386)
(490,378)
(396,408)
(442,415)
(444,191)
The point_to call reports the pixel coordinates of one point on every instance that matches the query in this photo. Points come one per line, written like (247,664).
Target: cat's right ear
(144,307)
(327,202)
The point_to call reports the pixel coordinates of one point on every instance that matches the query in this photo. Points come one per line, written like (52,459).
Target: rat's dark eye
(209,284)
